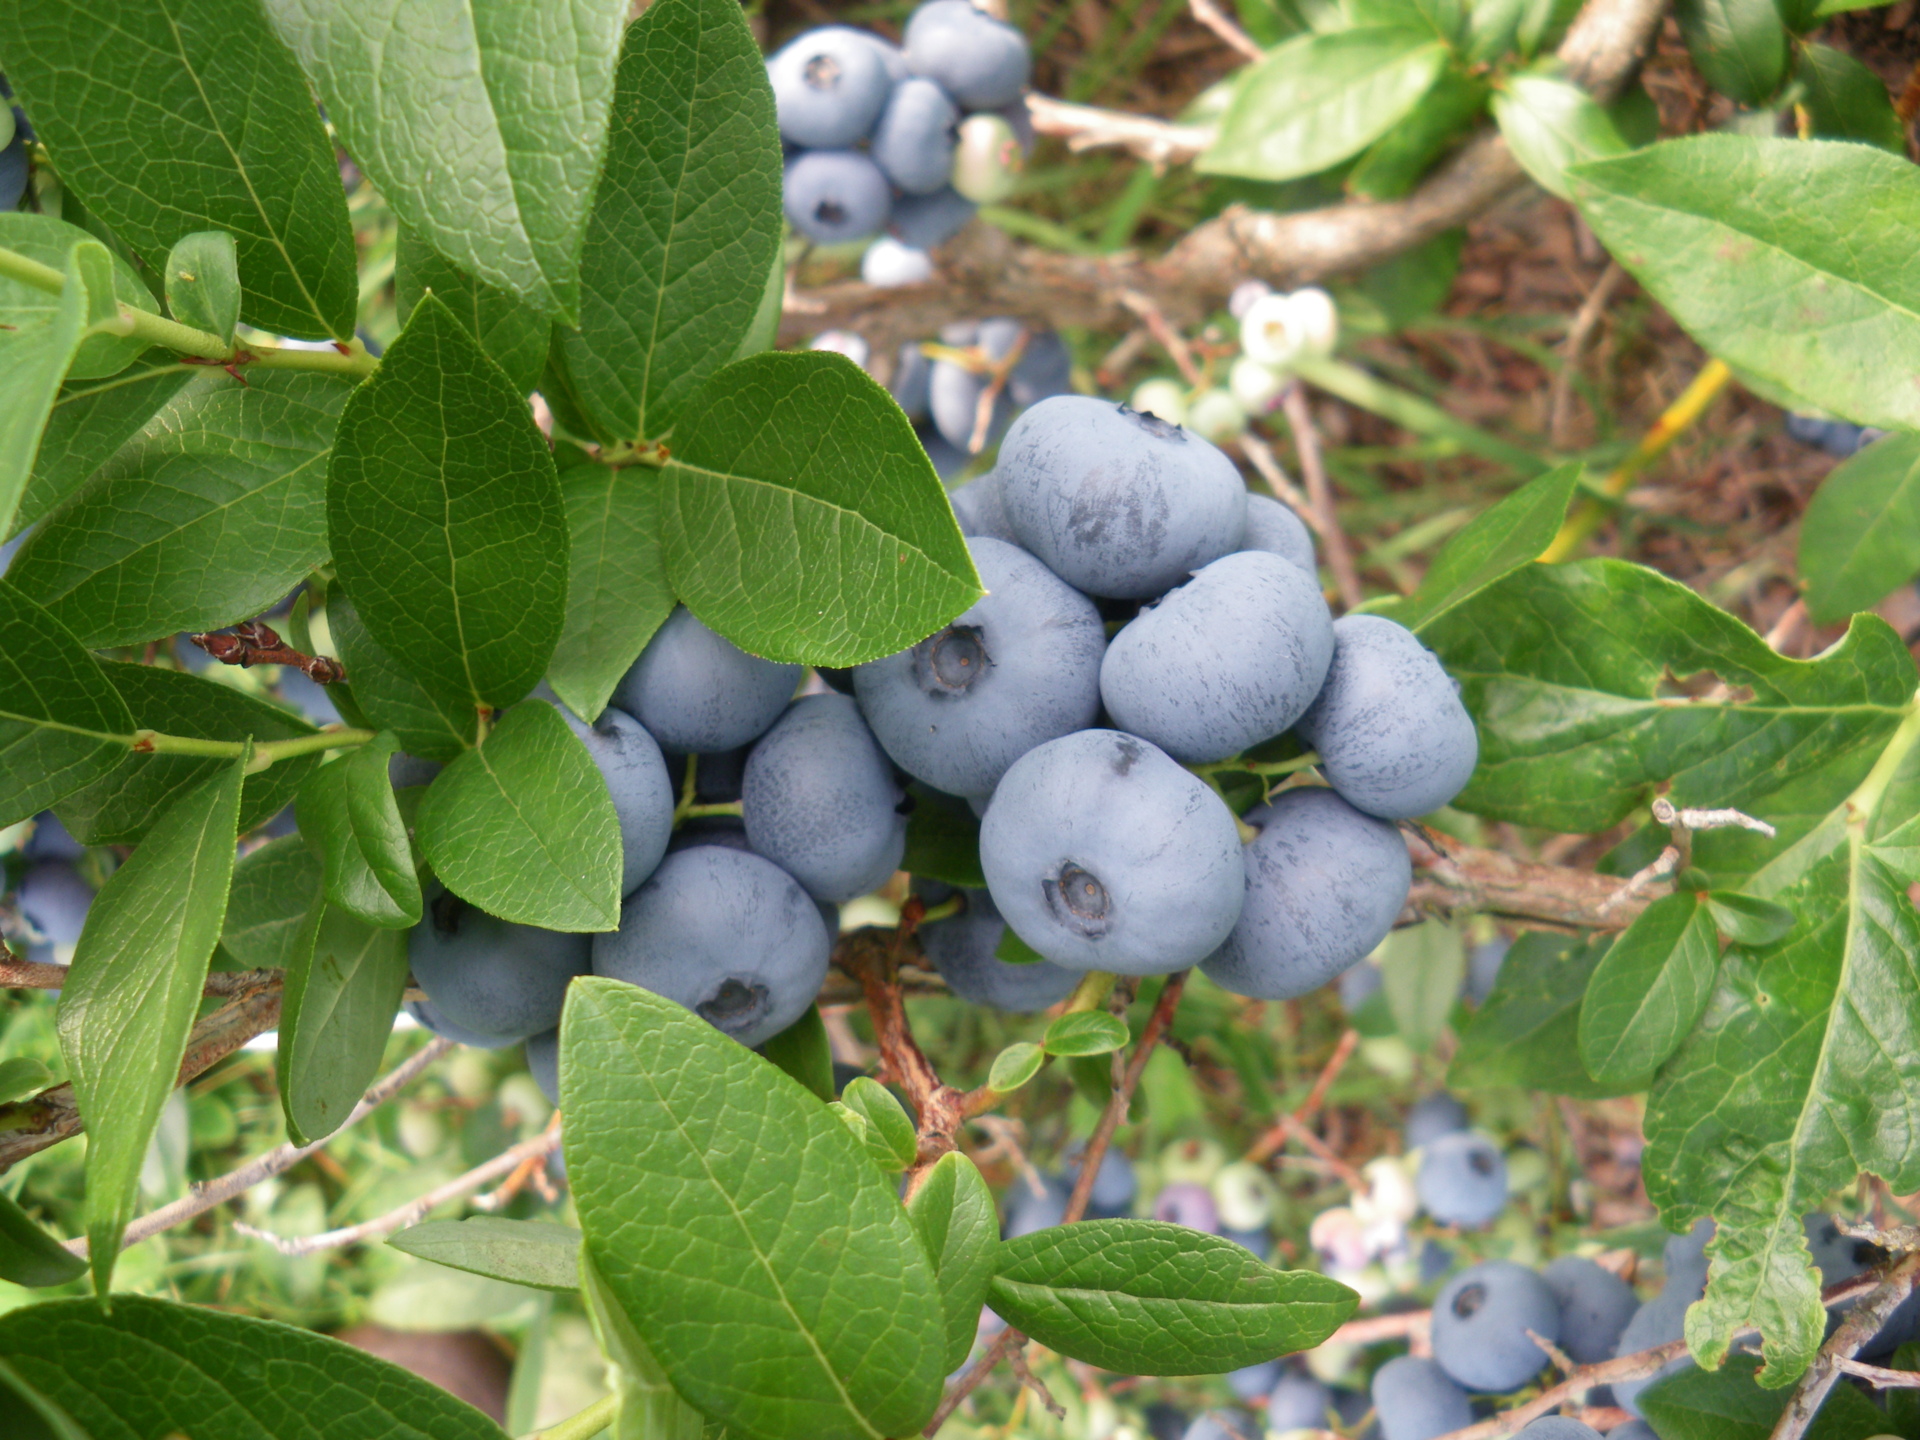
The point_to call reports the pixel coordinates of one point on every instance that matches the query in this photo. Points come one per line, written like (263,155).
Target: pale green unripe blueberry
(1257,387)
(1162,397)
(1216,416)
(1191,1162)
(1244,1194)
(988,160)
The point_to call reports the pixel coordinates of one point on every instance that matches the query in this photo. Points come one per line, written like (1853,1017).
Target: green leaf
(1847,101)
(273,908)
(1445,18)
(524,828)
(1860,538)
(617,591)
(1788,259)
(445,517)
(521,1252)
(1395,162)
(134,989)
(872,1143)
(51,242)
(62,724)
(193,118)
(1649,990)
(34,357)
(208,517)
(121,807)
(513,334)
(1421,969)
(1527,1032)
(1551,123)
(803,1052)
(1569,673)
(1802,1073)
(1086,1032)
(1747,919)
(341,997)
(650,1408)
(1145,1298)
(954,1215)
(1508,537)
(685,223)
(30,1414)
(1491,28)
(765,1263)
(764,329)
(802,520)
(31,1257)
(1015,1065)
(1320,98)
(203,282)
(349,816)
(1727,1404)
(429,725)
(1740,46)
(20,1076)
(875,1104)
(943,840)
(484,127)
(184,1370)
(89,423)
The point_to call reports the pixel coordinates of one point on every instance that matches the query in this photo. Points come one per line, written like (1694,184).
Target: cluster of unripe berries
(1277,332)
(904,139)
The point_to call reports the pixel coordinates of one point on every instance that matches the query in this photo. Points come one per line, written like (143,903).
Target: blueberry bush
(634,720)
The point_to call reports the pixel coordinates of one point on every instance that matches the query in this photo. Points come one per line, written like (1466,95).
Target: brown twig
(1468,878)
(1585,321)
(1313,465)
(1880,1377)
(17,974)
(1211,16)
(253,642)
(1861,1325)
(1125,1083)
(1165,335)
(1624,1367)
(1126,1080)
(1159,142)
(202,1198)
(414,1211)
(1017,1358)
(29,1126)
(1260,455)
(1269,1144)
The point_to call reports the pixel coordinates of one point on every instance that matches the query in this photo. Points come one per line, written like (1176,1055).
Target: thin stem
(1306,441)
(152,742)
(202,344)
(414,1211)
(1403,408)
(729,807)
(1091,993)
(584,1423)
(1589,513)
(276,1161)
(688,791)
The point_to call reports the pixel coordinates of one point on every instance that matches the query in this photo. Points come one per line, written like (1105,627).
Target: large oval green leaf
(150,1368)
(1147,1298)
(173,116)
(1860,538)
(803,521)
(62,724)
(214,512)
(445,516)
(1791,260)
(686,221)
(483,124)
(766,1264)
(1320,98)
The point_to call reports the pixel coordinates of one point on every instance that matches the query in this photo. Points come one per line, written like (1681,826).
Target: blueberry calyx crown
(1079,893)
(955,658)
(734,1006)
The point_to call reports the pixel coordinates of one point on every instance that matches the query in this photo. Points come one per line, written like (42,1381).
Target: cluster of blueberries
(905,139)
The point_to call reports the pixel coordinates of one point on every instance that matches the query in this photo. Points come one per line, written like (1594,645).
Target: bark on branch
(983,272)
